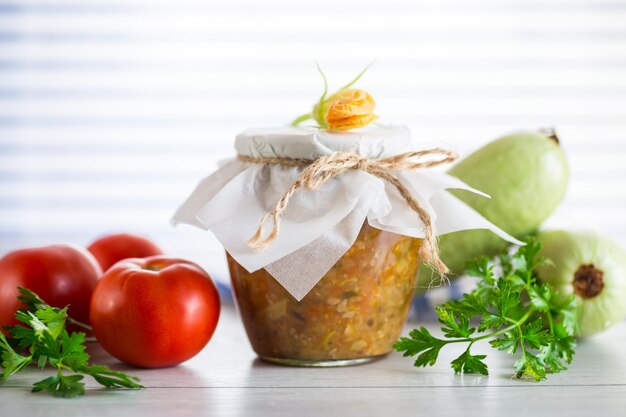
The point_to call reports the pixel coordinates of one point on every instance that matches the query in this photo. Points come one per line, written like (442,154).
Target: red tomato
(154,312)
(60,274)
(113,248)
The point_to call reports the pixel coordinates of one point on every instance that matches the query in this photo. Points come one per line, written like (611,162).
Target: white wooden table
(226,379)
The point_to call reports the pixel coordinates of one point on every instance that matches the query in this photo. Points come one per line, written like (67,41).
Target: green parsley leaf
(541,297)
(110,378)
(421,342)
(24,336)
(454,326)
(491,321)
(560,351)
(569,314)
(12,362)
(504,296)
(59,385)
(30,300)
(529,252)
(48,343)
(472,305)
(536,335)
(515,313)
(530,366)
(468,363)
(508,341)
(480,268)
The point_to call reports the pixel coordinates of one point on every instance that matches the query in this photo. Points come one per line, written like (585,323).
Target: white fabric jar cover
(319,226)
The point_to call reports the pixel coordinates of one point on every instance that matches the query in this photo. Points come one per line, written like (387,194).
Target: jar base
(314,363)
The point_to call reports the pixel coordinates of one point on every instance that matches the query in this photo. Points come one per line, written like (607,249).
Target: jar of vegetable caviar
(353,315)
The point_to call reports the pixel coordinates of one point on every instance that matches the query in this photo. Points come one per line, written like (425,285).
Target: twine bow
(318,172)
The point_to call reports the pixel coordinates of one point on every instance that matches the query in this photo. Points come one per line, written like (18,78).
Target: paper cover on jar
(319,226)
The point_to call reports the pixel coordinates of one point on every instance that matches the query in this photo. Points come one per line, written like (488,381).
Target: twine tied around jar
(318,172)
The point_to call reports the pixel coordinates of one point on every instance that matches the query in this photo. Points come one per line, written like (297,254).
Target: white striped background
(111,111)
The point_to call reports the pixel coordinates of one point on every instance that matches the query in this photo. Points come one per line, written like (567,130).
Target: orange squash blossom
(348,108)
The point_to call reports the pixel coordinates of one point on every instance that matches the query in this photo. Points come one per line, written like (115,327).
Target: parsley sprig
(512,310)
(44,340)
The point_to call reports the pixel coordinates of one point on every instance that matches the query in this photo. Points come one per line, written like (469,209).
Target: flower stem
(301,119)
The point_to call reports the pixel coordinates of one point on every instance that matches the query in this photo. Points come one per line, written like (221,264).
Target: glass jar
(353,315)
